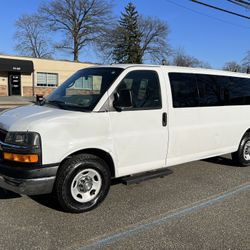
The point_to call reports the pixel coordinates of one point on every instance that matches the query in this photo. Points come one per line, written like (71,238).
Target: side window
(239,91)
(145,88)
(192,90)
(223,90)
(184,90)
(211,89)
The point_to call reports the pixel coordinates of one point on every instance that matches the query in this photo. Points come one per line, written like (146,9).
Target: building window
(84,83)
(47,79)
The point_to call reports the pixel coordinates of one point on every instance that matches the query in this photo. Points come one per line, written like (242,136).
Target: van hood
(24,118)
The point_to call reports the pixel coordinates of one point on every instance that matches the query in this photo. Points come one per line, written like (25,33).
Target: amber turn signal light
(31,158)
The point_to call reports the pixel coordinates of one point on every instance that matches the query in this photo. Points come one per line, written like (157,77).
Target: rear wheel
(82,183)
(242,156)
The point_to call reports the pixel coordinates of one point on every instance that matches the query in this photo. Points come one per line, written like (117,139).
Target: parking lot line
(181,212)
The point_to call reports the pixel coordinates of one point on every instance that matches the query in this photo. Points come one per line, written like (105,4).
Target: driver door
(140,137)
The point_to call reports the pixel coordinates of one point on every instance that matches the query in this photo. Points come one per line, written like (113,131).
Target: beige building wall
(64,69)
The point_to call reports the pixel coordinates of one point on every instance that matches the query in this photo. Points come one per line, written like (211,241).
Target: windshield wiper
(56,102)
(62,104)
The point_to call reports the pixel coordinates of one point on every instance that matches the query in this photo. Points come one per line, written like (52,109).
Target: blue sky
(204,33)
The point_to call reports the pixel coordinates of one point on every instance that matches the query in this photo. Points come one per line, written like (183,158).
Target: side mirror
(123,100)
(39,99)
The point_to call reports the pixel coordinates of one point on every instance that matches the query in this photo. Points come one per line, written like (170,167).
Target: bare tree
(180,58)
(154,45)
(105,44)
(79,21)
(232,66)
(31,37)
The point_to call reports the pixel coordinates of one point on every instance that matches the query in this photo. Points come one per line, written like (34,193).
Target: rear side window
(211,89)
(202,90)
(238,91)
(184,90)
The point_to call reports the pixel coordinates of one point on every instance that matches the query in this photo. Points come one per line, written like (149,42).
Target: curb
(6,105)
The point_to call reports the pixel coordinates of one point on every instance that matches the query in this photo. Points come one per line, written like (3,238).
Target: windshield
(84,89)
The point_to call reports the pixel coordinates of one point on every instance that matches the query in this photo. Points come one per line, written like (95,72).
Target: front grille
(3,134)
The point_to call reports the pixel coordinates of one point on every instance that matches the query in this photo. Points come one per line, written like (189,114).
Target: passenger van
(113,121)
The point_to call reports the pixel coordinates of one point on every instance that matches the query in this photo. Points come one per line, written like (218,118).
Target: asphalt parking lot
(202,205)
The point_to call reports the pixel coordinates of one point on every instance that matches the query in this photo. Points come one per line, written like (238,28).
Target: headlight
(24,147)
(28,139)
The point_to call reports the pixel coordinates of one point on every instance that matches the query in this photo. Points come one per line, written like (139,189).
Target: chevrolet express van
(112,121)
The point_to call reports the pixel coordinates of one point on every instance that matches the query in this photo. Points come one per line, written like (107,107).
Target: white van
(107,122)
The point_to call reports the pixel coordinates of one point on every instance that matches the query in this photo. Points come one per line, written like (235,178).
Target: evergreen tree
(127,48)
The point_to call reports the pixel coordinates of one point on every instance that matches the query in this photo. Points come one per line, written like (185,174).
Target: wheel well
(247,131)
(99,153)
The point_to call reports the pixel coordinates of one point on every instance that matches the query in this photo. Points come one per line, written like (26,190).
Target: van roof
(179,69)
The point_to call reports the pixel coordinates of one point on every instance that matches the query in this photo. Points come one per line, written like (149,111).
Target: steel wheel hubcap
(86,185)
(246,151)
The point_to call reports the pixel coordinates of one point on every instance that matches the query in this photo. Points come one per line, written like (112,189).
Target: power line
(247,2)
(243,3)
(206,15)
(220,9)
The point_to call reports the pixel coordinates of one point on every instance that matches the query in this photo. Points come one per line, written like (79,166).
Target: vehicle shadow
(47,200)
(221,160)
(6,194)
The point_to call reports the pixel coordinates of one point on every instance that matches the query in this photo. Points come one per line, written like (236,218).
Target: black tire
(69,170)
(239,157)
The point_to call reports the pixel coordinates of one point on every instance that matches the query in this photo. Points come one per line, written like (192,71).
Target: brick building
(26,76)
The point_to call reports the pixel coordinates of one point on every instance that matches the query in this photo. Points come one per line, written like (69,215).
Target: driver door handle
(164,119)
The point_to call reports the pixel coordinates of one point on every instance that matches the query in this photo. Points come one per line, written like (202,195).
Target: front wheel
(242,156)
(82,183)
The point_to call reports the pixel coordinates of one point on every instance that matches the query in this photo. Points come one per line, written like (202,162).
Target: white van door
(140,133)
